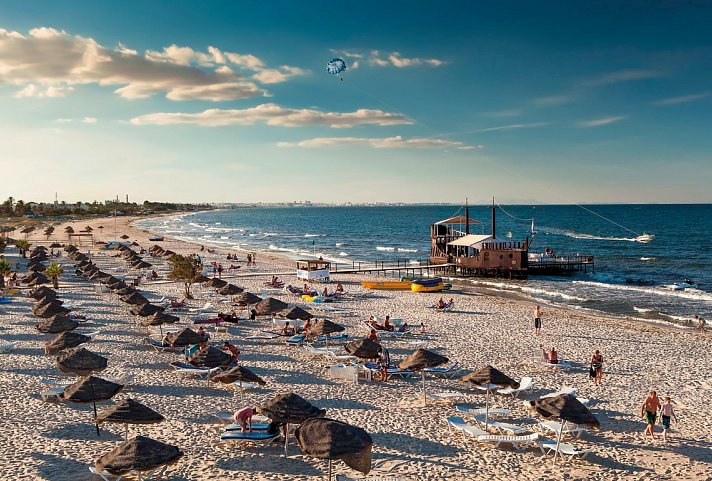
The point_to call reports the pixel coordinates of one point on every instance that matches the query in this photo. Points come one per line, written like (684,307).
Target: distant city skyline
(178,101)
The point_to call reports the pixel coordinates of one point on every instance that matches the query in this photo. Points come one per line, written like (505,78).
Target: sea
(666,280)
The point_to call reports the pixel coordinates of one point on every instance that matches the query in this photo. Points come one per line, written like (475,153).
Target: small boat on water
(391,285)
(645,238)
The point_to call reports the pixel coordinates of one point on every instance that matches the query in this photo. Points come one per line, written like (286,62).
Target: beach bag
(591,371)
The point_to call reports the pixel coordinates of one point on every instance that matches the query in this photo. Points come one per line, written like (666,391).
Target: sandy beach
(56,441)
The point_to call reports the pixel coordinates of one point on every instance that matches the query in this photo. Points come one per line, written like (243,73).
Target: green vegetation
(53,271)
(5,269)
(184,270)
(24,246)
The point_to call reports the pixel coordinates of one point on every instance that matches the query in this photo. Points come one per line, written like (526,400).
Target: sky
(223,101)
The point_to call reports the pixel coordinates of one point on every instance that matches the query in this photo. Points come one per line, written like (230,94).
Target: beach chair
(526,384)
(347,373)
(107,476)
(158,345)
(520,443)
(444,372)
(332,356)
(567,451)
(297,340)
(8,346)
(555,427)
(336,337)
(562,390)
(482,411)
(316,351)
(263,337)
(468,430)
(223,417)
(444,396)
(504,428)
(255,427)
(242,386)
(561,365)
(249,437)
(52,394)
(187,369)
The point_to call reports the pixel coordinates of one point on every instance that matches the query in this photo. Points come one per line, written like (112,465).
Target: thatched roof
(124,237)
(238,373)
(247,298)
(210,357)
(118,285)
(129,411)
(363,348)
(125,291)
(490,375)
(184,337)
(141,265)
(567,408)
(91,389)
(64,341)
(109,280)
(50,310)
(270,306)
(145,310)
(290,408)
(326,438)
(51,300)
(324,327)
(56,324)
(230,290)
(138,454)
(135,299)
(296,312)
(200,278)
(71,248)
(81,361)
(39,281)
(159,318)
(217,283)
(43,291)
(421,359)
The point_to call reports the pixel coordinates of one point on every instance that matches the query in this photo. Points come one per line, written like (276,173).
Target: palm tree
(5,269)
(24,246)
(53,271)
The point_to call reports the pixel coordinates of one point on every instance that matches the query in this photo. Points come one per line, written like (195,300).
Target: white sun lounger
(244,386)
(107,476)
(446,372)
(562,390)
(445,396)
(457,423)
(567,451)
(501,427)
(555,427)
(249,437)
(526,384)
(332,356)
(7,347)
(482,411)
(52,394)
(519,443)
(317,351)
(347,373)
(199,372)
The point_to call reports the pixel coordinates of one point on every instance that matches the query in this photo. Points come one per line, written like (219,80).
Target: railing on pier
(380,265)
(560,263)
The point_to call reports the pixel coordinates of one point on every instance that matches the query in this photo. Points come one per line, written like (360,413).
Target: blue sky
(230,101)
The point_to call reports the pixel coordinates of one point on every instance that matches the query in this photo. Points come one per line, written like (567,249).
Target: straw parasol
(145,310)
(64,341)
(56,324)
(159,318)
(50,310)
(118,285)
(296,313)
(138,454)
(141,265)
(330,439)
(247,298)
(419,361)
(216,283)
(90,390)
(210,357)
(489,378)
(135,299)
(200,278)
(124,237)
(230,290)
(43,301)
(238,374)
(184,337)
(567,408)
(71,248)
(42,291)
(109,280)
(270,306)
(125,291)
(363,348)
(289,408)
(325,327)
(128,412)
(80,361)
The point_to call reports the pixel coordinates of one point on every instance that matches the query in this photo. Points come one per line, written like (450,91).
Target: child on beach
(666,411)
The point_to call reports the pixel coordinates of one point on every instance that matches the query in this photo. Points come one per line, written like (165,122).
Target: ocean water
(639,280)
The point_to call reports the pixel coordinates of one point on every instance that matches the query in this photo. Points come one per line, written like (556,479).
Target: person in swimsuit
(244,417)
(384,361)
(597,367)
(666,411)
(537,320)
(649,411)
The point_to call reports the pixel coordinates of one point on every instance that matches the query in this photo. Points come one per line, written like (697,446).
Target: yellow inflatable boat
(392,285)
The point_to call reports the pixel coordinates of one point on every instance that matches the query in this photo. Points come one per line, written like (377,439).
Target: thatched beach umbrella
(247,298)
(183,338)
(36,266)
(363,348)
(296,312)
(64,341)
(489,379)
(216,283)
(200,278)
(567,408)
(109,280)
(325,327)
(210,357)
(42,291)
(330,439)
(125,291)
(238,374)
(230,290)
(138,454)
(128,412)
(57,324)
(135,299)
(118,285)
(158,319)
(55,245)
(71,248)
(35,279)
(270,306)
(91,389)
(80,361)
(289,408)
(419,361)
(141,265)
(50,310)
(124,237)
(43,301)
(145,310)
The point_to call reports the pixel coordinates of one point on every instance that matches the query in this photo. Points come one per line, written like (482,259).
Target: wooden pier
(560,265)
(396,268)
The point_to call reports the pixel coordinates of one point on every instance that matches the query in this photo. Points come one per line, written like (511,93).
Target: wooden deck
(397,268)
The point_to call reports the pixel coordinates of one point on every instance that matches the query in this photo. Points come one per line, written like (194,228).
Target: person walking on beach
(220,270)
(666,411)
(649,411)
(249,259)
(537,320)
(597,367)
(384,362)
(700,324)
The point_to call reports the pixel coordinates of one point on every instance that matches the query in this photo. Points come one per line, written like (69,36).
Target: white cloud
(623,76)
(600,122)
(377,58)
(275,115)
(513,127)
(683,99)
(85,120)
(49,62)
(396,142)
